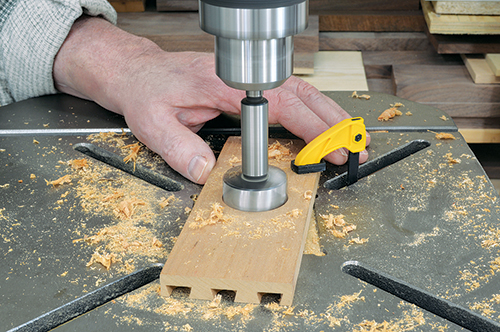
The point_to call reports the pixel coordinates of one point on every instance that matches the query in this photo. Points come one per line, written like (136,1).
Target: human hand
(167,97)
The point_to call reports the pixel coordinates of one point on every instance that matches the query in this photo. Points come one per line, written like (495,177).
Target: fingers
(182,149)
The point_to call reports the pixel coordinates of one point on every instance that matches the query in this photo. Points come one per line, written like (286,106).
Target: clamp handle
(349,133)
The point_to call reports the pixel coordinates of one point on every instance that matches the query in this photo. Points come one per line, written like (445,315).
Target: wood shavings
(389,114)
(78,163)
(32,176)
(127,207)
(347,300)
(279,152)
(134,153)
(216,215)
(308,195)
(104,259)
(408,113)
(35,141)
(108,137)
(445,136)
(62,180)
(444,118)
(356,96)
(337,226)
(164,202)
(452,160)
(357,240)
(234,161)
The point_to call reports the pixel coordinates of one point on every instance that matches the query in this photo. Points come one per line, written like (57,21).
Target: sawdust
(389,113)
(445,136)
(78,164)
(279,152)
(356,96)
(105,259)
(110,138)
(133,154)
(312,245)
(164,202)
(337,226)
(62,180)
(215,216)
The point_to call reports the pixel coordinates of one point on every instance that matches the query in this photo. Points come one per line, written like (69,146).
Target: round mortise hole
(180,292)
(268,298)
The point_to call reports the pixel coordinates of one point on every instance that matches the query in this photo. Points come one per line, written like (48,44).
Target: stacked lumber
(463,27)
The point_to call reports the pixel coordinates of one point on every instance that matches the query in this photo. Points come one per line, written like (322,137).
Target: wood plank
(128,6)
(467,7)
(252,253)
(493,61)
(459,24)
(176,5)
(338,71)
(475,135)
(178,32)
(479,69)
(379,64)
(464,44)
(317,7)
(449,88)
(410,21)
(373,41)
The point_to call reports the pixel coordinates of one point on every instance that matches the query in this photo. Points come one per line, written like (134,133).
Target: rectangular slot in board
(250,253)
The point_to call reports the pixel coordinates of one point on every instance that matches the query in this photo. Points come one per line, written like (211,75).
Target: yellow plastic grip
(349,133)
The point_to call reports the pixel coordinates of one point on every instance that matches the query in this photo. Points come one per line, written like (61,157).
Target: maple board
(467,7)
(493,61)
(479,69)
(253,253)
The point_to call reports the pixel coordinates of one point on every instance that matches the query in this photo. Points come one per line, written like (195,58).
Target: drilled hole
(179,292)
(227,296)
(267,298)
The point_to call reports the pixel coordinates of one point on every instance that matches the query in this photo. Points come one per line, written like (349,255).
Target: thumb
(187,153)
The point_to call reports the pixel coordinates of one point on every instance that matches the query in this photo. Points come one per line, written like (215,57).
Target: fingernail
(364,152)
(343,152)
(196,167)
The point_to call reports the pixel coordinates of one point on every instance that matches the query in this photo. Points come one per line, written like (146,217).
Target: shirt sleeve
(31,34)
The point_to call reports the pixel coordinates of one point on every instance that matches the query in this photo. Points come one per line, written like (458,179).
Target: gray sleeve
(31,33)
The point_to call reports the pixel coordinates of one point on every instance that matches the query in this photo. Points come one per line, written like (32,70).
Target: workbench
(429,221)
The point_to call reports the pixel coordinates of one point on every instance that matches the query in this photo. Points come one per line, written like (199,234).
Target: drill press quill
(254,52)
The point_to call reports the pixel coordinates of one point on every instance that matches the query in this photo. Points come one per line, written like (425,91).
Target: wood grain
(410,21)
(459,24)
(467,7)
(373,41)
(464,44)
(176,5)
(338,71)
(317,7)
(252,253)
(493,61)
(479,69)
(449,88)
(128,6)
(178,32)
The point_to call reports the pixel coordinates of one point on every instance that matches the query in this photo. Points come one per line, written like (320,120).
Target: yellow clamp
(349,133)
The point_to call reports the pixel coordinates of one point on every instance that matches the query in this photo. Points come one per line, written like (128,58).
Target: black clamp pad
(311,168)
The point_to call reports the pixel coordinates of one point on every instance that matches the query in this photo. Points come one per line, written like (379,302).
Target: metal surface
(254,137)
(253,42)
(426,218)
(254,196)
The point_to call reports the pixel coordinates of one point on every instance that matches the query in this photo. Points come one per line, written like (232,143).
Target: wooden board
(178,32)
(253,253)
(128,6)
(379,64)
(479,69)
(320,6)
(464,44)
(493,61)
(448,88)
(467,7)
(459,24)
(176,5)
(338,71)
(373,41)
(409,21)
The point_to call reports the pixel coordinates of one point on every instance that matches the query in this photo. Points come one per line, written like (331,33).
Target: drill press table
(430,220)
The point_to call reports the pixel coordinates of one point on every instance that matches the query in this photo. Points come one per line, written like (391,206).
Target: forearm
(98,61)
